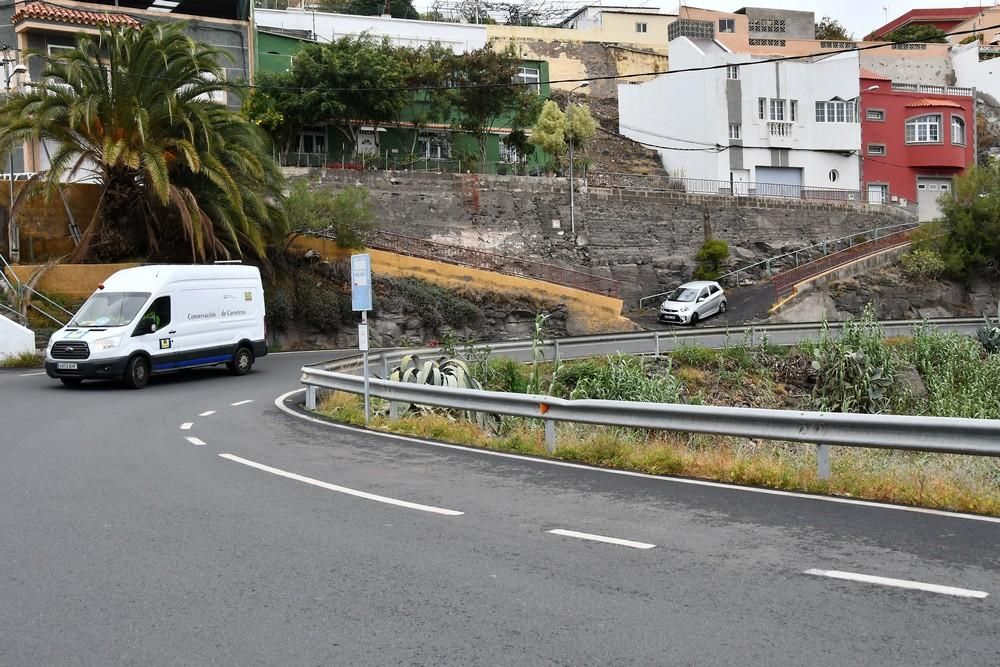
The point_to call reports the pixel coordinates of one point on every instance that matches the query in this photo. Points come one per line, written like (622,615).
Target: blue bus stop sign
(361,282)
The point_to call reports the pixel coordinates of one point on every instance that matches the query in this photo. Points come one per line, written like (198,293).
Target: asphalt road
(744,305)
(125,540)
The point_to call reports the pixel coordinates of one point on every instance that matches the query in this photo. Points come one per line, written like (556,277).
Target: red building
(914,140)
(944,18)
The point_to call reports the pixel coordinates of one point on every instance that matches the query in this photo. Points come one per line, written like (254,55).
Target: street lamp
(572,207)
(12,235)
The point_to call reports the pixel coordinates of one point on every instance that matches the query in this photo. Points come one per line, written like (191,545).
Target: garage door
(928,191)
(779,181)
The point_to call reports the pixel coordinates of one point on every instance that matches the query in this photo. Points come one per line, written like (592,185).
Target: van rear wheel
(137,373)
(242,361)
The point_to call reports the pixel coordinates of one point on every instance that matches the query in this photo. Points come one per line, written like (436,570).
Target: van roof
(153,277)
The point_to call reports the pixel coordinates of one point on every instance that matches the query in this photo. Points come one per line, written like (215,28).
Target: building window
(957,131)
(312,140)
(735,131)
(433,146)
(793,110)
(876,149)
(777,109)
(732,71)
(761,108)
(529,75)
(924,129)
(835,111)
(766,41)
(875,114)
(727,25)
(59,49)
(640,27)
(767,25)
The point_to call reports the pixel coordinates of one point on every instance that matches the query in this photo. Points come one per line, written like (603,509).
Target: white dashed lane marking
(207,413)
(186,426)
(601,538)
(195,441)
(899,583)
(237,403)
(28,375)
(341,489)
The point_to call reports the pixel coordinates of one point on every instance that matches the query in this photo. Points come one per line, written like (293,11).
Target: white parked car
(692,302)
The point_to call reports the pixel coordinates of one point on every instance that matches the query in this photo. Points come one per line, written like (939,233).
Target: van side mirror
(152,327)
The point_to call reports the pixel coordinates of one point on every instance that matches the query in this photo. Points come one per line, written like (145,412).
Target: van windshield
(109,309)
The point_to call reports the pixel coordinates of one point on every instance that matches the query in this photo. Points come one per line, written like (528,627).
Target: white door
(367,142)
(877,194)
(741,182)
(929,190)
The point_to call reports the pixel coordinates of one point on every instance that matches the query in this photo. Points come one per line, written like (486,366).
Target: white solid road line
(28,375)
(899,583)
(195,441)
(279,403)
(186,426)
(601,538)
(241,402)
(207,413)
(341,489)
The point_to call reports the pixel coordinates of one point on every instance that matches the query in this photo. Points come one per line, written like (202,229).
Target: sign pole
(364,328)
(361,300)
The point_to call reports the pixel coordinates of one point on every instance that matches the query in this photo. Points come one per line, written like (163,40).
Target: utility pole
(13,237)
(569,130)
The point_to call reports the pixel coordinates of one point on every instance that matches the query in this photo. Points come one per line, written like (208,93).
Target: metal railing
(707,186)
(20,290)
(979,437)
(768,268)
(488,261)
(932,90)
(388,161)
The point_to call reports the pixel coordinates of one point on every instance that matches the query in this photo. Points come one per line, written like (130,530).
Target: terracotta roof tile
(868,74)
(930,102)
(50,12)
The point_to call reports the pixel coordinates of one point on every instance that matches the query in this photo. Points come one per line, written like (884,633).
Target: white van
(157,319)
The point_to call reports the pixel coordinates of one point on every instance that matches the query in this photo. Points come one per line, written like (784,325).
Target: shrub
(504,374)
(854,372)
(348,214)
(989,335)
(435,305)
(626,378)
(710,257)
(694,355)
(959,380)
(570,375)
(280,307)
(318,304)
(922,263)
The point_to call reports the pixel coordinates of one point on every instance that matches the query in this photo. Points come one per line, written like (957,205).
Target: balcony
(779,128)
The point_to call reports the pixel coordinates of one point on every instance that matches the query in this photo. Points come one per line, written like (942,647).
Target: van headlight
(105,344)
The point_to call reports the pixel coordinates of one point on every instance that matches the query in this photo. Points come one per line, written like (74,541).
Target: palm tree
(181,175)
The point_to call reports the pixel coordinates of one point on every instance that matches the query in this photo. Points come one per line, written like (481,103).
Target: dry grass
(22,360)
(957,483)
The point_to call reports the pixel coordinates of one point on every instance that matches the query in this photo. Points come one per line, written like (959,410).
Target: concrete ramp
(14,338)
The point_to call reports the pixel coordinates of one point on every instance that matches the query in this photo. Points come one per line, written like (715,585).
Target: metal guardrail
(707,186)
(979,437)
(488,261)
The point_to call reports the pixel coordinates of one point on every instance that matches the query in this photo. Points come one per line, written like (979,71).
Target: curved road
(127,538)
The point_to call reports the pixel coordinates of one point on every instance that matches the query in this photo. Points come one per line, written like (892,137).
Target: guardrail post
(823,462)
(310,397)
(767,266)
(555,344)
(656,338)
(737,277)
(393,408)
(550,436)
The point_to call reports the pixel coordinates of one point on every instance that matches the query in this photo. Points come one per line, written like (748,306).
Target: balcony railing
(933,90)
(779,128)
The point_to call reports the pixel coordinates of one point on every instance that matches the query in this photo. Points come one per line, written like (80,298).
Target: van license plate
(66,366)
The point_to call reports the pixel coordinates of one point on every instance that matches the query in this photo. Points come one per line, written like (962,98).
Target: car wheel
(137,372)
(242,361)
(71,382)
(694,318)
(722,307)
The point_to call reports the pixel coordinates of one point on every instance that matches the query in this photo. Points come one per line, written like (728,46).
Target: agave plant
(989,335)
(440,372)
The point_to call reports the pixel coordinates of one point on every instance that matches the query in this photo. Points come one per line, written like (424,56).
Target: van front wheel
(137,373)
(242,361)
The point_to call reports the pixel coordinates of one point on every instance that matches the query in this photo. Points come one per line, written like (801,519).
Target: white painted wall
(687,110)
(14,339)
(971,73)
(459,37)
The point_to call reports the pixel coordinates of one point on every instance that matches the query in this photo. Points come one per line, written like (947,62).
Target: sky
(860,17)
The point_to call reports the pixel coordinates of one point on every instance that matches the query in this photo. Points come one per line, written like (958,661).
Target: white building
(327,27)
(977,67)
(794,123)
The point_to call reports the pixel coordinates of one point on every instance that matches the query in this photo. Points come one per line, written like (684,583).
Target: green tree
(917,33)
(549,131)
(971,219)
(831,29)
(398,9)
(181,176)
(348,214)
(483,94)
(580,124)
(425,73)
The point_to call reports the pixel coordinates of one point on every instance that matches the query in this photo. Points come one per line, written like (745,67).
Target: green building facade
(403,144)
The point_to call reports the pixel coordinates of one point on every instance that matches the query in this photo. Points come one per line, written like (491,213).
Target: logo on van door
(248,296)
(165,343)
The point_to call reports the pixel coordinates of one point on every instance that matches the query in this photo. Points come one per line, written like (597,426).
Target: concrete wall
(930,66)
(596,24)
(325,27)
(44,225)
(970,72)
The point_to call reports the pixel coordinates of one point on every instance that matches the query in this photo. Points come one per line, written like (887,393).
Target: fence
(979,437)
(706,186)
(388,161)
(487,261)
